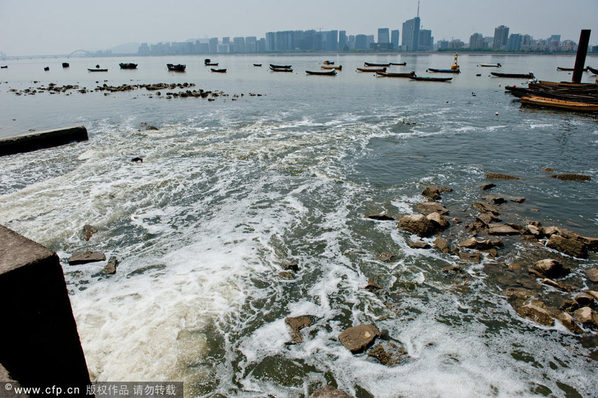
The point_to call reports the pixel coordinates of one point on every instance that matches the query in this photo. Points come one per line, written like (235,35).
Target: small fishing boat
(275,69)
(371,70)
(593,70)
(399,63)
(529,75)
(4,67)
(281,66)
(46,68)
(430,79)
(340,67)
(372,64)
(129,65)
(97,69)
(176,68)
(321,73)
(443,70)
(560,68)
(559,104)
(496,65)
(65,65)
(389,74)
(328,63)
(258,65)
(218,70)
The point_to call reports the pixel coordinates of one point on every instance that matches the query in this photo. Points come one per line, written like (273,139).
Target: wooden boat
(46,68)
(218,70)
(65,65)
(328,63)
(257,65)
(443,70)
(129,65)
(340,67)
(399,63)
(275,69)
(321,73)
(496,65)
(371,64)
(281,66)
(593,70)
(4,67)
(514,75)
(371,70)
(403,74)
(559,104)
(176,68)
(430,79)
(97,69)
(560,68)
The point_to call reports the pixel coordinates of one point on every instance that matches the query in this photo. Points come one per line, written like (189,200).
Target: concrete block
(42,139)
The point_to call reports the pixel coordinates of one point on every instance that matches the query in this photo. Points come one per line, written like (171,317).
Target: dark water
(231,191)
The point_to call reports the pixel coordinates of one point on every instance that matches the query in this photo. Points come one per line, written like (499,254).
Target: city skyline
(34,27)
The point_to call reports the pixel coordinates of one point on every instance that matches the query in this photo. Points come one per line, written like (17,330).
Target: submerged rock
(501,229)
(372,286)
(500,176)
(431,207)
(473,243)
(418,244)
(110,268)
(88,231)
(484,207)
(536,311)
(572,177)
(388,353)
(432,192)
(297,323)
(517,199)
(497,200)
(572,247)
(380,217)
(486,187)
(86,256)
(358,338)
(387,256)
(329,392)
(470,257)
(442,245)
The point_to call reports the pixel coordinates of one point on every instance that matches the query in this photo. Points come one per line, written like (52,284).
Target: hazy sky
(30,27)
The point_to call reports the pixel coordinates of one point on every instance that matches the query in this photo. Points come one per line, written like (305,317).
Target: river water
(231,191)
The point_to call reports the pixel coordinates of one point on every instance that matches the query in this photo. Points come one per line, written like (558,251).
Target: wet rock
(86,256)
(372,286)
(536,311)
(388,353)
(473,243)
(571,247)
(550,268)
(380,217)
(418,245)
(486,187)
(533,230)
(567,321)
(297,323)
(500,176)
(438,219)
(501,229)
(329,392)
(470,257)
(432,192)
(549,231)
(442,245)
(137,160)
(387,256)
(548,169)
(555,284)
(419,225)
(150,127)
(584,299)
(88,231)
(452,269)
(487,218)
(518,294)
(293,267)
(484,207)
(518,199)
(592,274)
(585,315)
(286,275)
(110,268)
(476,227)
(431,207)
(497,200)
(571,177)
(358,338)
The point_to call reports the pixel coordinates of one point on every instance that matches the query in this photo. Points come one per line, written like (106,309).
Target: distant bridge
(80,53)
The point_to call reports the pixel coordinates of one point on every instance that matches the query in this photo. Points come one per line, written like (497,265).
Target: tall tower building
(501,37)
(394,39)
(383,35)
(410,40)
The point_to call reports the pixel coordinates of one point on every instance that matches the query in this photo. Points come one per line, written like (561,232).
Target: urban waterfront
(250,209)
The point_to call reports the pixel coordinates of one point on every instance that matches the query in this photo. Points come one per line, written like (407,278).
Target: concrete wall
(39,343)
(42,139)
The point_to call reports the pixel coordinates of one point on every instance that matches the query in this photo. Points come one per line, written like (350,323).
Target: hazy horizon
(36,27)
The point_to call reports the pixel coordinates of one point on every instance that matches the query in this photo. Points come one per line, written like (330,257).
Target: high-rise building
(476,41)
(383,35)
(343,41)
(501,37)
(330,40)
(361,42)
(251,44)
(514,43)
(270,41)
(394,39)
(370,39)
(426,41)
(213,44)
(527,42)
(410,40)
(143,49)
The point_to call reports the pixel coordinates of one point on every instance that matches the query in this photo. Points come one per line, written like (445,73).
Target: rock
(438,219)
(571,247)
(536,311)
(550,268)
(297,323)
(549,231)
(286,275)
(592,274)
(387,256)
(518,199)
(584,315)
(499,176)
(471,257)
(372,286)
(484,207)
(571,177)
(388,353)
(380,217)
(487,218)
(533,230)
(501,229)
(497,200)
(86,256)
(150,127)
(432,192)
(137,160)
(442,245)
(476,227)
(555,284)
(568,322)
(329,392)
(431,207)
(293,267)
(419,225)
(592,293)
(486,187)
(473,243)
(110,268)
(88,231)
(518,294)
(548,169)
(358,338)
(418,245)
(584,299)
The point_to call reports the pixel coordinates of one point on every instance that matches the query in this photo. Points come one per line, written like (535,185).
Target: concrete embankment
(42,139)
(39,343)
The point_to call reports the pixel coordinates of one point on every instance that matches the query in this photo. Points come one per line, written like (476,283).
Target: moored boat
(402,74)
(496,65)
(46,68)
(321,73)
(65,65)
(97,69)
(529,75)
(3,66)
(340,67)
(328,62)
(281,66)
(176,68)
(258,65)
(208,62)
(430,79)
(218,70)
(399,63)
(371,70)
(593,70)
(560,68)
(277,69)
(372,64)
(443,70)
(129,65)
(559,104)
